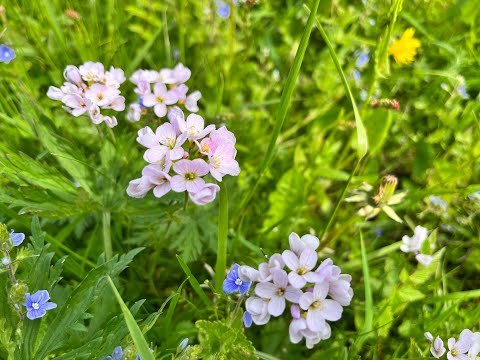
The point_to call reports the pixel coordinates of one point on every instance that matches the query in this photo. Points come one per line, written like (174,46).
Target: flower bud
(386,189)
(17,294)
(72,74)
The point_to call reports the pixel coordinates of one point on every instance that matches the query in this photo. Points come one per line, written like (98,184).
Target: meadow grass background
(73,174)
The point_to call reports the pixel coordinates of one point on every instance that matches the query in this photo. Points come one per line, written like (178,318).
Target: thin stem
(339,201)
(221,264)
(107,234)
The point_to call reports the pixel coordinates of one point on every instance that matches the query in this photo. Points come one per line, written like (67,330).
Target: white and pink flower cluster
(90,89)
(181,153)
(161,90)
(467,347)
(294,277)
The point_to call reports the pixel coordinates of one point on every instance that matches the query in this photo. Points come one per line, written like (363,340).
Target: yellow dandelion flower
(405,48)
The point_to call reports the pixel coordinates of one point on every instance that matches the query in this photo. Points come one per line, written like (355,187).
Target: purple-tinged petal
(306,300)
(320,291)
(276,306)
(331,310)
(296,280)
(160,110)
(280,278)
(265,290)
(308,258)
(178,183)
(290,259)
(195,185)
(160,190)
(315,320)
(293,294)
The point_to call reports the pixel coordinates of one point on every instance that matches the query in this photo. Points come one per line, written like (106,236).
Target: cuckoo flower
(159,100)
(92,72)
(298,244)
(266,269)
(258,309)
(278,292)
(189,176)
(437,349)
(191,101)
(177,75)
(222,161)
(414,244)
(340,290)
(301,267)
(166,144)
(458,349)
(194,126)
(206,195)
(319,308)
(38,304)
(159,178)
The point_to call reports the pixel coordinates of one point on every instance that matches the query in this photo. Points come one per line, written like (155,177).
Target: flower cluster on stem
(89,89)
(161,90)
(315,294)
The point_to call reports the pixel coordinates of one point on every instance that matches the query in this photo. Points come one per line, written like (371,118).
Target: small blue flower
(247,319)
(462,91)
(437,201)
(17,238)
(140,102)
(357,76)
(6,54)
(182,346)
(475,196)
(363,59)
(117,354)
(223,9)
(378,232)
(38,304)
(233,282)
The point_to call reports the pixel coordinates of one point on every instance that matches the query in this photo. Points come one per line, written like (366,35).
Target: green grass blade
(362,140)
(135,331)
(221,264)
(367,327)
(193,281)
(284,101)
(171,309)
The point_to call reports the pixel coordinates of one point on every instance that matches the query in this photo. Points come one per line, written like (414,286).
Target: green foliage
(219,340)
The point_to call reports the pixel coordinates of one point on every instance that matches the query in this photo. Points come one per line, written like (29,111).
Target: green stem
(107,234)
(221,264)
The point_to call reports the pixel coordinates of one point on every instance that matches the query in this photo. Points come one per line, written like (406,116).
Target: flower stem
(222,237)
(107,234)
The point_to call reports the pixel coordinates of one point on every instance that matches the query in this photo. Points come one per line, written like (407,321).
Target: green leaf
(223,341)
(79,301)
(193,281)
(135,331)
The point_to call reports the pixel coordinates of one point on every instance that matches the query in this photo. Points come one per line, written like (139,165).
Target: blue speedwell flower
(38,304)
(117,354)
(475,196)
(233,282)
(438,202)
(363,59)
(223,9)
(247,319)
(6,54)
(17,238)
